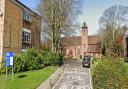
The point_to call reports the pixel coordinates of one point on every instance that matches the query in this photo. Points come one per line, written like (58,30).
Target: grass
(26,80)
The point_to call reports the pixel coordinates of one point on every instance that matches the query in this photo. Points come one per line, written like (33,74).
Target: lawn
(26,80)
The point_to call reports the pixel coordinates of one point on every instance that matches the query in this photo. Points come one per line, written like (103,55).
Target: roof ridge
(23,5)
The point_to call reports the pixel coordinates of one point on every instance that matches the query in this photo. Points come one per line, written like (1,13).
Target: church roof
(76,40)
(94,39)
(71,41)
(94,44)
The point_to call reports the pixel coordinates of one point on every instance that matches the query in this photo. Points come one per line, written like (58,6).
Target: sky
(91,11)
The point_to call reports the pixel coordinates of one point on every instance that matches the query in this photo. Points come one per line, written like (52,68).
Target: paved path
(75,77)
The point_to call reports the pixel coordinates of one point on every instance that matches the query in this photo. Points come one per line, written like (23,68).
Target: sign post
(9,62)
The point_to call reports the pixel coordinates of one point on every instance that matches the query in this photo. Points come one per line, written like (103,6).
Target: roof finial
(84,25)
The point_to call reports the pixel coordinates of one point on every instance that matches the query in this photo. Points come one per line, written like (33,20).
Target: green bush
(50,58)
(126,60)
(110,74)
(30,60)
(34,60)
(20,64)
(2,66)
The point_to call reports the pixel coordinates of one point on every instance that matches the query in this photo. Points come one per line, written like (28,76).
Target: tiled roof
(94,39)
(71,41)
(94,44)
(93,48)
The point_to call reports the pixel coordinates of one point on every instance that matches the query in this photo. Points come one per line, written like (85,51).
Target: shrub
(33,60)
(110,74)
(50,58)
(126,60)
(2,63)
(30,60)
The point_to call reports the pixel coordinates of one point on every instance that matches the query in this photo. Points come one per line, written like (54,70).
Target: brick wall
(35,30)
(13,27)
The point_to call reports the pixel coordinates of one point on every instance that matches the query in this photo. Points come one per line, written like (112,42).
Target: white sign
(11,61)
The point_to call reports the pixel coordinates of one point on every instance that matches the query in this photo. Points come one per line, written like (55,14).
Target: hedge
(110,74)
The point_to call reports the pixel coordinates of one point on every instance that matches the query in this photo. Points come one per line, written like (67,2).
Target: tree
(115,15)
(112,28)
(58,17)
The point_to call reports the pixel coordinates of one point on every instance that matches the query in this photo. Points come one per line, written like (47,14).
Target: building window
(26,36)
(27,15)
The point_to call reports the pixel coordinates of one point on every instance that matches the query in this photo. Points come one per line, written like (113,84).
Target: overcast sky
(91,10)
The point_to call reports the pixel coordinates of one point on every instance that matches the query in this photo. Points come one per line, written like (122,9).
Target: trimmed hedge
(110,74)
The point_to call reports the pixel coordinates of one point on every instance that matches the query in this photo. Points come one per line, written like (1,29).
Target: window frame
(26,34)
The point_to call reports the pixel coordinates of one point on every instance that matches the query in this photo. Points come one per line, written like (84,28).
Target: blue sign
(9,59)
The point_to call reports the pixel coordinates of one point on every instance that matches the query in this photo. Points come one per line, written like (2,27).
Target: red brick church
(79,46)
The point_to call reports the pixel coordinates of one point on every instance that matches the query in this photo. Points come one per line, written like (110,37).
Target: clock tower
(84,39)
